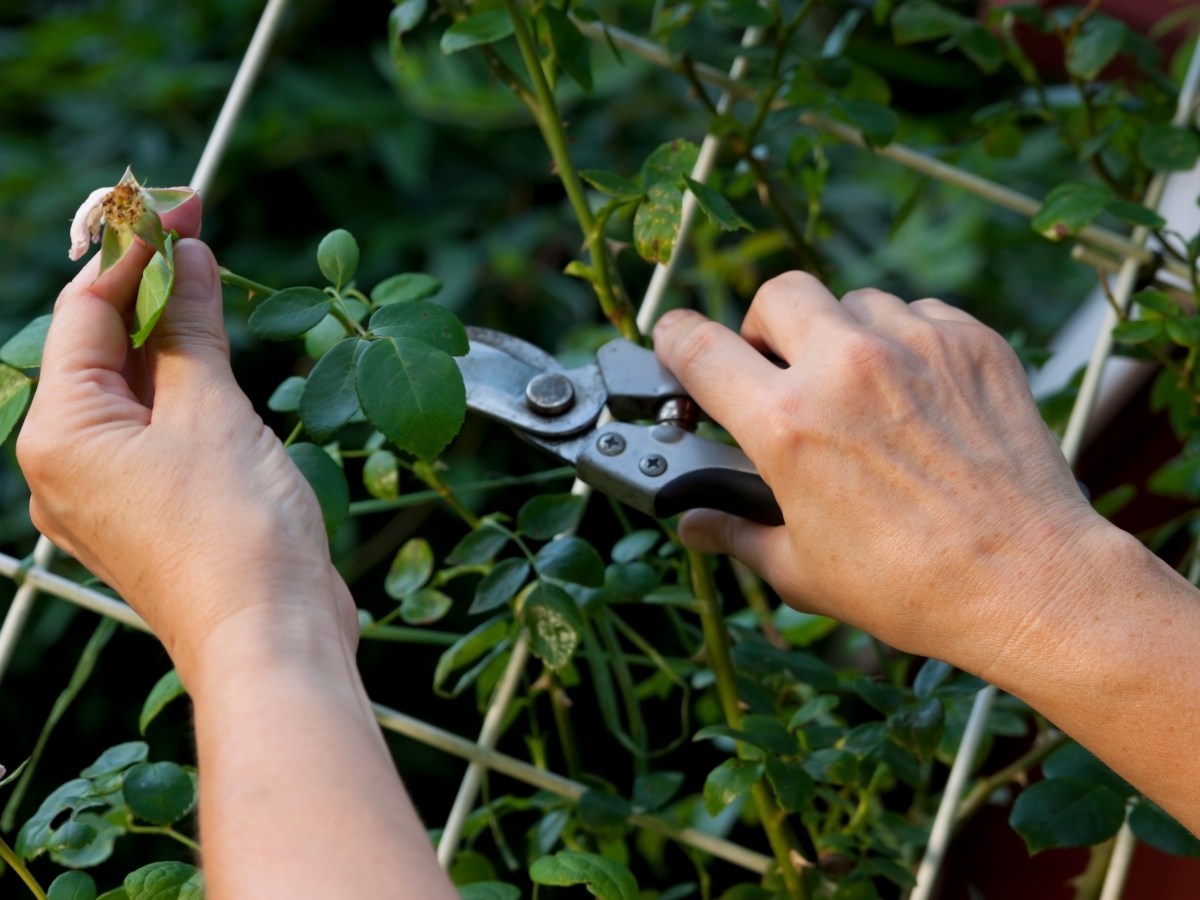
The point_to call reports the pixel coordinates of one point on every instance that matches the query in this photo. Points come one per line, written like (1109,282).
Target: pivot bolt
(549,394)
(652,465)
(610,444)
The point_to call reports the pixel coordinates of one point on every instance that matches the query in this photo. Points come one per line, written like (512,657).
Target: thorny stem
(17,866)
(429,475)
(363,507)
(716,648)
(985,787)
(253,287)
(498,66)
(612,297)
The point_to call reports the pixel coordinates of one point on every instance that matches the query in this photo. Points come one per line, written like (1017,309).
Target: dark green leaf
(635,545)
(166,689)
(919,727)
(922,20)
(489,890)
(470,647)
(931,674)
(1073,761)
(570,559)
(547,515)
(812,709)
(35,833)
(337,257)
(481,28)
(572,50)
(72,886)
(654,791)
(500,585)
(613,185)
(1067,812)
(160,793)
(165,881)
(158,279)
(741,13)
(289,313)
(1138,331)
(327,480)
(410,570)
(97,849)
(1069,208)
(762,731)
(434,325)
(603,813)
(405,288)
(716,207)
(877,123)
(24,349)
(71,835)
(603,877)
(728,781)
(981,47)
(656,222)
(1153,826)
(114,894)
(425,607)
(286,397)
(1136,214)
(15,388)
(668,163)
(554,624)
(1168,148)
(1100,39)
(480,546)
(406,15)
(329,398)
(381,475)
(1158,301)
(116,758)
(413,393)
(793,786)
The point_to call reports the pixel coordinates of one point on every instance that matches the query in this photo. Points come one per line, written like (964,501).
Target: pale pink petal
(85,227)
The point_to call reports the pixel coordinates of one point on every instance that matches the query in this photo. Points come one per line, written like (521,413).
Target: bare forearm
(299,795)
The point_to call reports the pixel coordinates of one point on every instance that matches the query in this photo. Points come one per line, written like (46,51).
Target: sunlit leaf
(158,279)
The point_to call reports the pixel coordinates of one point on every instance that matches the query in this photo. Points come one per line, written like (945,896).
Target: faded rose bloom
(85,228)
(125,210)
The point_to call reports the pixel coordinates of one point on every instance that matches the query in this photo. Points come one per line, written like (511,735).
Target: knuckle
(696,347)
(787,285)
(866,352)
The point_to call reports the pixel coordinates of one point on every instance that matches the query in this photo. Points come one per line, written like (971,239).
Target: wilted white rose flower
(85,228)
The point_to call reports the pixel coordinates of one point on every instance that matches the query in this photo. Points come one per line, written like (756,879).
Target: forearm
(1110,656)
(299,795)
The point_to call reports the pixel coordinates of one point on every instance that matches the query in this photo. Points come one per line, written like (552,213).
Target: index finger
(88,331)
(720,371)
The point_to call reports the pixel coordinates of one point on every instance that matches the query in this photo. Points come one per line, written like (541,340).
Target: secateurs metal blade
(646,455)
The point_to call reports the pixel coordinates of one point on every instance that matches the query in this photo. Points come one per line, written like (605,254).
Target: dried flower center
(123,206)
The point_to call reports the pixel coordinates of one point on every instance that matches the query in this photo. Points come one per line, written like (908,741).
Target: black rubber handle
(739,493)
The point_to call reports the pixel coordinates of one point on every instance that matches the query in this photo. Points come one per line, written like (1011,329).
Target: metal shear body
(645,455)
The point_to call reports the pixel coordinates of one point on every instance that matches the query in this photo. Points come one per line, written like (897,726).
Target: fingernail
(195,274)
(669,318)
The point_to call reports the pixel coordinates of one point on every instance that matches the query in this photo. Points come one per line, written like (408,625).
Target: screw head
(610,444)
(652,465)
(550,393)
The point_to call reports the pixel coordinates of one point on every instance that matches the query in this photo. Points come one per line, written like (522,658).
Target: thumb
(189,345)
(764,548)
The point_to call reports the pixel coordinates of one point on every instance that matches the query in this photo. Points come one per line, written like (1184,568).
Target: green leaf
(434,325)
(1067,812)
(405,288)
(24,349)
(165,881)
(1074,761)
(158,279)
(1153,826)
(603,877)
(656,222)
(611,184)
(1099,41)
(406,15)
(924,21)
(571,49)
(330,396)
(1070,207)
(166,689)
(500,585)
(328,482)
(425,607)
(1138,331)
(160,793)
(489,890)
(554,624)
(571,559)
(71,835)
(116,758)
(381,475)
(793,786)
(410,570)
(413,393)
(286,397)
(762,731)
(813,709)
(919,727)
(877,123)
(470,647)
(115,244)
(1136,214)
(716,207)
(668,163)
(114,894)
(729,781)
(15,388)
(337,257)
(980,46)
(164,200)
(1168,148)
(289,313)
(654,791)
(481,28)
(9,777)
(602,813)
(741,13)
(635,545)
(1158,301)
(478,547)
(547,515)
(35,833)
(72,886)
(931,674)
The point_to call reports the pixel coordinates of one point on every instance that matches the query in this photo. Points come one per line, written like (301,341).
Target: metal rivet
(610,444)
(550,394)
(652,465)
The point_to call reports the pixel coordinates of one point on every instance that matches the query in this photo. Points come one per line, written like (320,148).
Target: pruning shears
(643,452)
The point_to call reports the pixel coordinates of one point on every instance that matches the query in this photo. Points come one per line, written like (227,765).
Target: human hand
(925,501)
(152,468)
